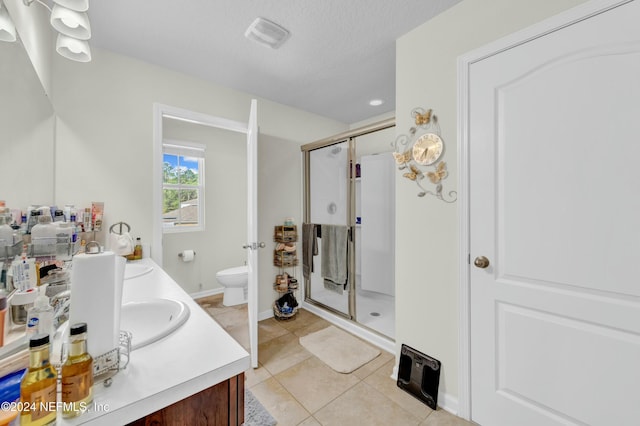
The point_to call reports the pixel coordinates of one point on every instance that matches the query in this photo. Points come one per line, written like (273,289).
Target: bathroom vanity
(195,375)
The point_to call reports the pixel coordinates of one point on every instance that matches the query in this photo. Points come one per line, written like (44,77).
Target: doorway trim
(547,26)
(161,111)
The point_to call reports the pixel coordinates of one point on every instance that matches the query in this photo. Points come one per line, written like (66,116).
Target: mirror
(27,125)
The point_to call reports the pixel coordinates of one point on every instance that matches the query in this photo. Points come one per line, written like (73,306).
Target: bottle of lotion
(40,315)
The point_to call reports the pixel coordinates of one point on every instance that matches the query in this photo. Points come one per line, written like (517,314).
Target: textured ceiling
(340,55)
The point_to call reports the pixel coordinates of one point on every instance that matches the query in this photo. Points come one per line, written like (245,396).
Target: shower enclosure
(350,182)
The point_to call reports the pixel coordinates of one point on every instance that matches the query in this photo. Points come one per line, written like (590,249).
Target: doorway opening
(350,183)
(164,114)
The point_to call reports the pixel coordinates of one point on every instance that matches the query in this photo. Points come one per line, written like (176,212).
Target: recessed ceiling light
(376,102)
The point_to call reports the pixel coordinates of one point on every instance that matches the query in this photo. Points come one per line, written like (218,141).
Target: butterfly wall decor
(423,147)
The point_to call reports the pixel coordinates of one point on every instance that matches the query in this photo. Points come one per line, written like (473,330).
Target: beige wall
(37,36)
(105,139)
(26,115)
(219,246)
(426,228)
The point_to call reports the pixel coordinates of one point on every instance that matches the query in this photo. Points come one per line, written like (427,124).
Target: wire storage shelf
(285,256)
(62,251)
(285,233)
(107,365)
(11,251)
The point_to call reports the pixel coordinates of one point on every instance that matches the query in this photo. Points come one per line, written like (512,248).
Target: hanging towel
(331,286)
(309,247)
(121,244)
(334,255)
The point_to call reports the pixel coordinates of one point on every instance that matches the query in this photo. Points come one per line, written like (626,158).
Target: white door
(554,202)
(252,230)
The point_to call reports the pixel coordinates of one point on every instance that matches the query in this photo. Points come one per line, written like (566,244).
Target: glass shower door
(375,231)
(329,198)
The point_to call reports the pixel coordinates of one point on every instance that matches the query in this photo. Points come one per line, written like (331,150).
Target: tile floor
(299,389)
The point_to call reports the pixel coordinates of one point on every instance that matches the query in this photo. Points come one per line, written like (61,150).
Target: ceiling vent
(267,33)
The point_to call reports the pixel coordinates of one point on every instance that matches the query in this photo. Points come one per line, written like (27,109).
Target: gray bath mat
(254,413)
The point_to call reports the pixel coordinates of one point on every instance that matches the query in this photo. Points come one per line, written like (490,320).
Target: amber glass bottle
(38,393)
(137,249)
(77,374)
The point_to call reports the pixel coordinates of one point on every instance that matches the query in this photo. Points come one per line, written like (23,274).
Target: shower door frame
(349,137)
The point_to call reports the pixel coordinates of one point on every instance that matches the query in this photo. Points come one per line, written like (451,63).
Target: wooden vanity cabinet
(219,405)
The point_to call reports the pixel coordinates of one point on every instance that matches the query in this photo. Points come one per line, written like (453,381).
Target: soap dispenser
(40,316)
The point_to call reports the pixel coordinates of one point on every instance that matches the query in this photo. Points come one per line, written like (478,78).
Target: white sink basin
(152,319)
(134,270)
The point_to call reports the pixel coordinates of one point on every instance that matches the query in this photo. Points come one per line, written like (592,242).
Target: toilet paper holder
(181,254)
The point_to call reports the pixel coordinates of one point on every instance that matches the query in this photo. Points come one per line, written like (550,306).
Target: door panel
(577,355)
(555,318)
(578,242)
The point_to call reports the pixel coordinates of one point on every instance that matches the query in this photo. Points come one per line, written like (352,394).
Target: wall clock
(423,147)
(427,149)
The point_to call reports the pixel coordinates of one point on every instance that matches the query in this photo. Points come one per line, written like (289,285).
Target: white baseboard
(445,401)
(265,315)
(205,293)
(448,403)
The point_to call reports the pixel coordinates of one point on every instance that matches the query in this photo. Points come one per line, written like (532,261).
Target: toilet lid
(238,270)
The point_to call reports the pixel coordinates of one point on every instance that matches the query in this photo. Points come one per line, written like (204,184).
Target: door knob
(254,246)
(481,262)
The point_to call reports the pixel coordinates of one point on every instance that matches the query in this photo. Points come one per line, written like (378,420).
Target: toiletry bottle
(58,216)
(67,212)
(3,316)
(64,233)
(40,315)
(43,235)
(21,301)
(86,218)
(6,234)
(38,387)
(137,249)
(77,374)
(23,223)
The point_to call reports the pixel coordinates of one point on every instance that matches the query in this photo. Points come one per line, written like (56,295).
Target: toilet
(234,281)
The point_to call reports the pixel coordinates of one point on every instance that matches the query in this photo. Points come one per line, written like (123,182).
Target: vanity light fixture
(77,5)
(70,20)
(72,48)
(267,33)
(7,27)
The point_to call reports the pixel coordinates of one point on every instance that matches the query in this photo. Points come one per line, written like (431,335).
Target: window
(182,186)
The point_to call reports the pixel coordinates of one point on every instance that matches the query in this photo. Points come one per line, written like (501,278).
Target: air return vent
(267,33)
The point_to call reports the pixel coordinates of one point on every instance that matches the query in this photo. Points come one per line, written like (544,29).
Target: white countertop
(196,356)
